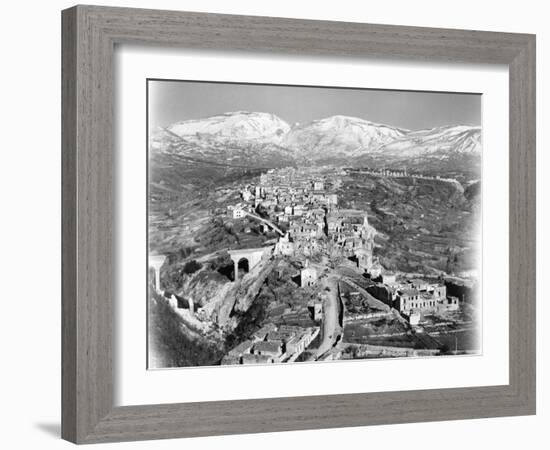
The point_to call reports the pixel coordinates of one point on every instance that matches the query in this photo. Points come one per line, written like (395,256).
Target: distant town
(315,288)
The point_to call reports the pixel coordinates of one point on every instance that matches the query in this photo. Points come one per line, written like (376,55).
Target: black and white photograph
(301,224)
(275,225)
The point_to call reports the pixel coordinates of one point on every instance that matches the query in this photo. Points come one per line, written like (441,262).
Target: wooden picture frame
(89,37)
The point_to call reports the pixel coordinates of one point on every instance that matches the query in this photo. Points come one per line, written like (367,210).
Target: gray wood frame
(89,36)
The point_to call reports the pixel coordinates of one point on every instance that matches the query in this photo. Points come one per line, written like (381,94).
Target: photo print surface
(292,224)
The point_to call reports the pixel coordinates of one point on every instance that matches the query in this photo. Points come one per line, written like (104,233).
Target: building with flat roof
(262,333)
(269,348)
(236,354)
(308,276)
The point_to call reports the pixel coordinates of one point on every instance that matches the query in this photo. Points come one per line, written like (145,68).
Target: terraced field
(424,226)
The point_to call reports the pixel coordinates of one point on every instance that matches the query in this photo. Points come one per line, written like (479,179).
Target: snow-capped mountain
(161,140)
(234,126)
(256,139)
(340,137)
(437,142)
(234,139)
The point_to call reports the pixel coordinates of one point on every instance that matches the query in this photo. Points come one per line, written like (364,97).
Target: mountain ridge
(260,139)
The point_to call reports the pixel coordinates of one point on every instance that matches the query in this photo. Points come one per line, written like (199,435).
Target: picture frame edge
(89,34)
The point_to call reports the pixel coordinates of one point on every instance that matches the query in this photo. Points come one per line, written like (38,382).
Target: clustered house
(306,204)
(272,344)
(413,297)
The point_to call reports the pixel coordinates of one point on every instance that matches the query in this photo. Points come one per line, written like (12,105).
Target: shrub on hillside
(192,266)
(172,346)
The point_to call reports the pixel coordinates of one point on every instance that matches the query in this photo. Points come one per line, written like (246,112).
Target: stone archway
(242,265)
(251,255)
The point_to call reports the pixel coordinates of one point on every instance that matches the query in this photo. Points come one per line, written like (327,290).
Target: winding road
(267,222)
(331,326)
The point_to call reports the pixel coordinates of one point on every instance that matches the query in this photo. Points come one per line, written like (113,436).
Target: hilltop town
(288,266)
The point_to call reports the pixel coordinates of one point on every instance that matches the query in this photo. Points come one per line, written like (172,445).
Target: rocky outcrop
(218,298)
(250,286)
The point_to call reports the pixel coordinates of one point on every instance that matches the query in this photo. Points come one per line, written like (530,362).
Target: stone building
(423,297)
(308,276)
(238,212)
(268,348)
(284,246)
(364,258)
(262,333)
(247,195)
(388,278)
(235,355)
(316,308)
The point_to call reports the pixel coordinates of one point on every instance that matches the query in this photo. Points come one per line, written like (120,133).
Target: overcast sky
(174,101)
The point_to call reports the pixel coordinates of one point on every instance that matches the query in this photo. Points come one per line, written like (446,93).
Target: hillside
(426,226)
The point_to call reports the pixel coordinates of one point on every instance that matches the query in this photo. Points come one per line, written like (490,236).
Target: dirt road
(331,330)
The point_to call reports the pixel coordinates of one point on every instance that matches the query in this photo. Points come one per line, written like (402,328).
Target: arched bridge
(252,255)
